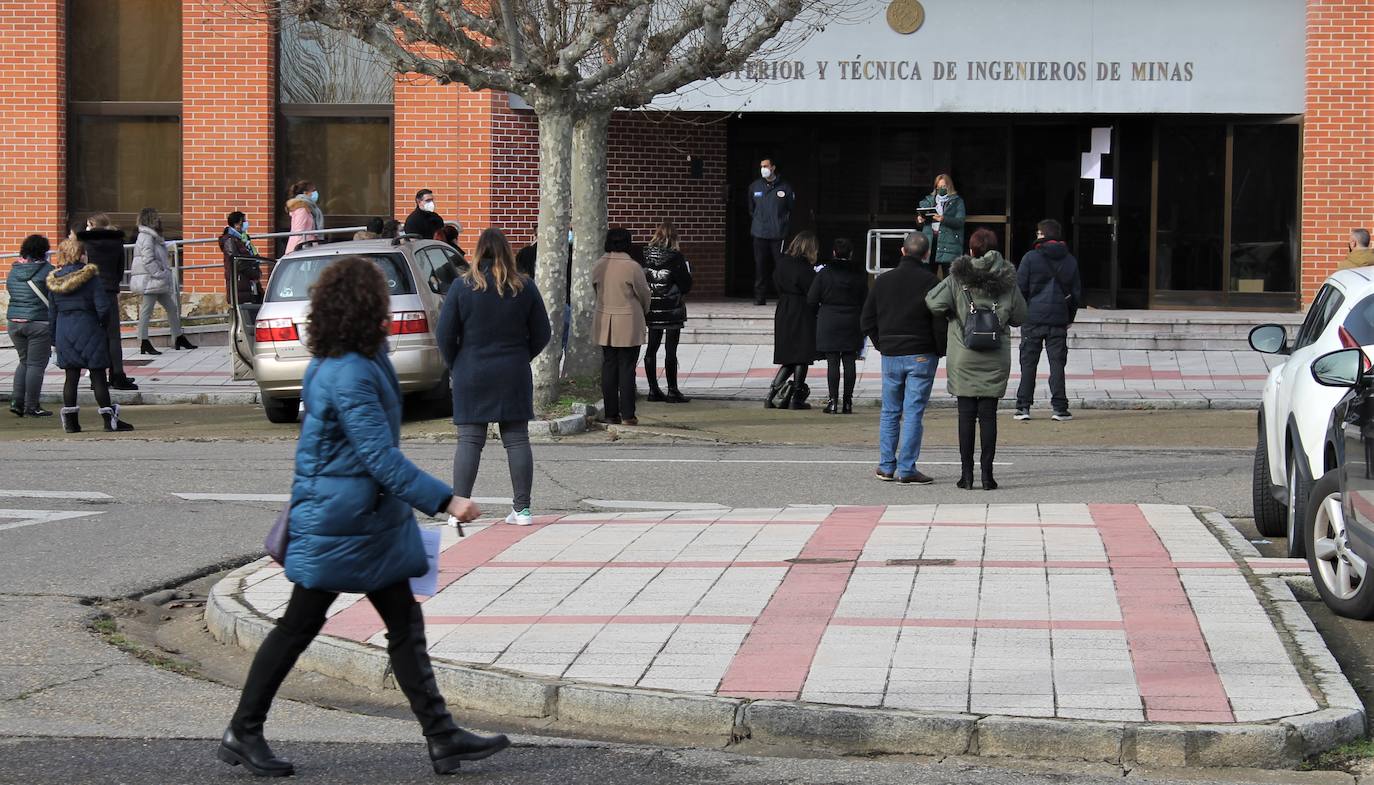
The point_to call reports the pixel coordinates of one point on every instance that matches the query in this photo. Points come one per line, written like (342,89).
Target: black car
(1338,529)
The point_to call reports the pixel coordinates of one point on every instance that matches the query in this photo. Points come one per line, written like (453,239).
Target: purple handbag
(275,544)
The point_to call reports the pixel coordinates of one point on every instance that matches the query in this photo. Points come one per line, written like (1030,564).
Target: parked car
(1338,530)
(1295,409)
(418,273)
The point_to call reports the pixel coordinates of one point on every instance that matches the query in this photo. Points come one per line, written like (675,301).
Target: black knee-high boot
(244,742)
(968,419)
(779,379)
(802,391)
(987,430)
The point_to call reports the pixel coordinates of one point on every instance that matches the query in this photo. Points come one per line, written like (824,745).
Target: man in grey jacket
(770,208)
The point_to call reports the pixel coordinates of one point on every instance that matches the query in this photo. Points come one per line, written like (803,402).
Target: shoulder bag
(1069,302)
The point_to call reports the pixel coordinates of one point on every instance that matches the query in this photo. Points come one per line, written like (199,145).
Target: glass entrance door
(1095,221)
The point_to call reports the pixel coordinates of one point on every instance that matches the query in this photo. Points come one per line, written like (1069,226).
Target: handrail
(208,240)
(873,253)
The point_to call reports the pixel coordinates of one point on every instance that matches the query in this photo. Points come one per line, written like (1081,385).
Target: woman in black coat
(794,324)
(839,290)
(104,244)
(493,323)
(79,308)
(670,279)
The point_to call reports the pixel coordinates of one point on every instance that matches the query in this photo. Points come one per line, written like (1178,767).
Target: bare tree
(573,62)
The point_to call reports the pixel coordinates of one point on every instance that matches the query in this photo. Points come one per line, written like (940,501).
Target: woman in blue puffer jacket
(352,526)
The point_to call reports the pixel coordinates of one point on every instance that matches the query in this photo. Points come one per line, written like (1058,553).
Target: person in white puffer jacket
(151,276)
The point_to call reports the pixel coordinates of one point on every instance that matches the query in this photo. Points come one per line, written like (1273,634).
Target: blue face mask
(244,227)
(314,196)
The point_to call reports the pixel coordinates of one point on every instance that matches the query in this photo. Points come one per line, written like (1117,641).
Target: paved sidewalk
(1118,613)
(1096,378)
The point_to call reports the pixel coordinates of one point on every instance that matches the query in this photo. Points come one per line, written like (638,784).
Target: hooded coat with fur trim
(989,280)
(78,307)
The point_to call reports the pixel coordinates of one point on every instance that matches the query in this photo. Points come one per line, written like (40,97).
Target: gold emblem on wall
(906,16)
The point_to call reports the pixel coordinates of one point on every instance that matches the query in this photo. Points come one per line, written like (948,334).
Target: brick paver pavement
(1112,612)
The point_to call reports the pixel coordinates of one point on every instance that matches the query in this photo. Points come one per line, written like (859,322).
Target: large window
(1191,205)
(335,124)
(1264,208)
(124,93)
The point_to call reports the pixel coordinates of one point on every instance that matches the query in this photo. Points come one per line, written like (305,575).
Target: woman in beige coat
(622,302)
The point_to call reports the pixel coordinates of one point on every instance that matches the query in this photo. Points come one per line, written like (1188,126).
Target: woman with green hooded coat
(978,378)
(944,227)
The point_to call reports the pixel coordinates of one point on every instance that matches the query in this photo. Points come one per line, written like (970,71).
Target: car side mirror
(1269,339)
(1343,368)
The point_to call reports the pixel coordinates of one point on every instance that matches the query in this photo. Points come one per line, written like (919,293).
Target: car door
(1295,373)
(1357,429)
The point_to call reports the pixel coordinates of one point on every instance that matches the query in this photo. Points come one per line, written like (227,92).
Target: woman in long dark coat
(492,325)
(79,308)
(839,291)
(794,324)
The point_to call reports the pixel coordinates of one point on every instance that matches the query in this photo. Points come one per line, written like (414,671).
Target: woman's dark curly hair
(350,309)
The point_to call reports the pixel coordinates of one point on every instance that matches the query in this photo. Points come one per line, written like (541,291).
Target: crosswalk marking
(78,495)
(32,517)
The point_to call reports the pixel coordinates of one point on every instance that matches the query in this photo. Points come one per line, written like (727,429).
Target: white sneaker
(1021,414)
(520,517)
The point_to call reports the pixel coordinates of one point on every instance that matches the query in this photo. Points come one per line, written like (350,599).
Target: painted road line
(76,495)
(765,460)
(282,498)
(33,517)
(631,504)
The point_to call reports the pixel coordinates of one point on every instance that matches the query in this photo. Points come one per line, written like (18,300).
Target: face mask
(427,206)
(314,196)
(244,227)
(942,191)
(766,172)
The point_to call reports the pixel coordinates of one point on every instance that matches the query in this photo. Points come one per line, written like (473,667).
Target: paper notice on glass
(1102,192)
(1092,166)
(1102,140)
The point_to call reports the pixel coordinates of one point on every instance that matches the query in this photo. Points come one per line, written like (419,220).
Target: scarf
(940,202)
(316,215)
(247,241)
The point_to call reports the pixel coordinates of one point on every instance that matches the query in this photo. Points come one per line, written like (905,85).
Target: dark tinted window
(1360,322)
(348,159)
(1192,204)
(292,278)
(1264,208)
(1324,306)
(125,50)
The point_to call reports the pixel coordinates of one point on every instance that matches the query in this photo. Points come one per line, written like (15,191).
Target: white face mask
(244,227)
(427,205)
(766,172)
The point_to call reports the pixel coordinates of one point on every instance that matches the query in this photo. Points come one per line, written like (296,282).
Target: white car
(1294,413)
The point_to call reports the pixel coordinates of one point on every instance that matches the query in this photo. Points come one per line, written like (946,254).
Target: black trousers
(303,620)
(656,337)
(113,342)
(618,380)
(1055,341)
(767,253)
(979,413)
(834,361)
(98,384)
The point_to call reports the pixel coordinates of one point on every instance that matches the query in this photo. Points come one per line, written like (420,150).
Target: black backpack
(982,328)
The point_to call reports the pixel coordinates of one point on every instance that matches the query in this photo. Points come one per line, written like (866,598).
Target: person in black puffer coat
(670,279)
(104,244)
(839,291)
(79,308)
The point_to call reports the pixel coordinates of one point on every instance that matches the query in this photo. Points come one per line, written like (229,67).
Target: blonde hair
(805,246)
(492,246)
(69,251)
(665,236)
(949,183)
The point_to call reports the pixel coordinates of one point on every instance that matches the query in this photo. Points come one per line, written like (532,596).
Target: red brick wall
(33,126)
(427,128)
(228,126)
(1338,137)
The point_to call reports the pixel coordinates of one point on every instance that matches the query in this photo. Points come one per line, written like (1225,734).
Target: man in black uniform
(423,221)
(770,206)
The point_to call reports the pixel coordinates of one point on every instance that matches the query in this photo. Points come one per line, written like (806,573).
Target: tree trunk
(589,237)
(555,186)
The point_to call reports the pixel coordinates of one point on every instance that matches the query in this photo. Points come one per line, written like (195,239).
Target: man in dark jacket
(770,208)
(911,341)
(1049,280)
(105,249)
(423,221)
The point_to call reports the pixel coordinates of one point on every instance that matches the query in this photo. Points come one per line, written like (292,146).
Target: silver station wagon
(270,338)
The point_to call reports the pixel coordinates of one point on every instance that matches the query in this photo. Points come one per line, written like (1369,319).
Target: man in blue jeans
(911,341)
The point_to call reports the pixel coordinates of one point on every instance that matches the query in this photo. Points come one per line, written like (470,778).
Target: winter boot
(112,422)
(848,406)
(182,343)
(775,390)
(71,422)
(147,348)
(799,397)
(830,406)
(251,751)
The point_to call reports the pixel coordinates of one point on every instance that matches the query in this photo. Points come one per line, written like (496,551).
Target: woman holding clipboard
(940,217)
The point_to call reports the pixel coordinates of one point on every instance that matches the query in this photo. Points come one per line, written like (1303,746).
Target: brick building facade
(480,155)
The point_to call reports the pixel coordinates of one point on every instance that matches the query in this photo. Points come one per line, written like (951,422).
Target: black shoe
(252,752)
(989,484)
(655,396)
(447,752)
(609,420)
(71,420)
(966,479)
(799,403)
(122,383)
(37,412)
(915,478)
(182,343)
(883,476)
(16,408)
(829,406)
(147,348)
(848,407)
(676,396)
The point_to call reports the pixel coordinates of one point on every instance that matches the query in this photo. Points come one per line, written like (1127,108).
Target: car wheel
(281,410)
(438,402)
(1270,515)
(1339,572)
(1298,489)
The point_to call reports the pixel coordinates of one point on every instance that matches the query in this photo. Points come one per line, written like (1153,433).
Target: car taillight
(409,323)
(272,330)
(1348,342)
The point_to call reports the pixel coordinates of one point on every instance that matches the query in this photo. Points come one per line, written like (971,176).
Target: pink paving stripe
(597,620)
(774,660)
(1173,668)
(360,621)
(999,624)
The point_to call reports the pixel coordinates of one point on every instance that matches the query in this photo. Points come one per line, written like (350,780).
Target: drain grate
(919,562)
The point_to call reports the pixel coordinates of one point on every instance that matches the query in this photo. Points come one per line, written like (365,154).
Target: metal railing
(873,254)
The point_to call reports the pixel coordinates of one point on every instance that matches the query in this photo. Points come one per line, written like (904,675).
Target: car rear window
(292,278)
(1360,322)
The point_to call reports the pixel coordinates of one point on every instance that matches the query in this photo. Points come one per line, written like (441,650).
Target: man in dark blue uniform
(770,207)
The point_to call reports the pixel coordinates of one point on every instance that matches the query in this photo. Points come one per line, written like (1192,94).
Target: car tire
(281,410)
(1299,489)
(1324,530)
(1270,516)
(438,402)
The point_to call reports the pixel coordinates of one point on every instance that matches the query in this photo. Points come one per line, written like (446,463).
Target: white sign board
(1016,56)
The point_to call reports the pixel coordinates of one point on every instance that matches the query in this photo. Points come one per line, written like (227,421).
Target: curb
(1094,403)
(626,712)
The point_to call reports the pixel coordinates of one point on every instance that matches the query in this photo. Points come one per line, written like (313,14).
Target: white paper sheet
(1102,140)
(1092,166)
(1102,192)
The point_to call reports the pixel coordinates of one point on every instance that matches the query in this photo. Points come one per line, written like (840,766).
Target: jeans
(618,380)
(907,381)
(1055,340)
(168,301)
(33,341)
(467,458)
(767,253)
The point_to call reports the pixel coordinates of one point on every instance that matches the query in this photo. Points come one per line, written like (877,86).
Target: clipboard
(927,211)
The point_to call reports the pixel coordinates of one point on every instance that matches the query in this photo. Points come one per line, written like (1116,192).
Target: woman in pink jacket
(303,206)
